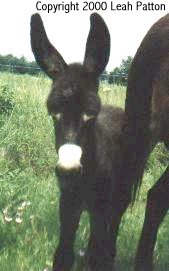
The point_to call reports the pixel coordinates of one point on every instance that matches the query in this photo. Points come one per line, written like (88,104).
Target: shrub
(6,99)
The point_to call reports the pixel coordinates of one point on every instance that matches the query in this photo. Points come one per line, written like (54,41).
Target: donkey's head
(73,101)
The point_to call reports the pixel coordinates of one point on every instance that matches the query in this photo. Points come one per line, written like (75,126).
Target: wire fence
(19,69)
(118,78)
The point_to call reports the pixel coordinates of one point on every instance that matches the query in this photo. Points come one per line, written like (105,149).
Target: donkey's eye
(57,116)
(87,117)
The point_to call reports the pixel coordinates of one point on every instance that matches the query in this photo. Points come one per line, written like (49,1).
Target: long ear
(46,55)
(97,46)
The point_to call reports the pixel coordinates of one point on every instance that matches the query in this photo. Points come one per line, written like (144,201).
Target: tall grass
(29,224)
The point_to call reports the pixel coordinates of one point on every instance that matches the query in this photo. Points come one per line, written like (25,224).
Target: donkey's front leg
(99,255)
(120,202)
(70,211)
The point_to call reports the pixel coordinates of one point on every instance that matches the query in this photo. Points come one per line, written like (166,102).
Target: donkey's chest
(96,192)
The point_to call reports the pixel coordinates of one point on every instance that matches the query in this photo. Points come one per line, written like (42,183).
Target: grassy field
(29,194)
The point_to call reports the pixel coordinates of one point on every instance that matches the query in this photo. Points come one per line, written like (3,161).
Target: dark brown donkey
(149,74)
(158,196)
(101,150)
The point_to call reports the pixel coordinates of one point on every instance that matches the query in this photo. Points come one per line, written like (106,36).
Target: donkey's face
(74,105)
(73,101)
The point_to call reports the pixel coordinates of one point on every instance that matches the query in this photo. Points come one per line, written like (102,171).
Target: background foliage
(18,65)
(21,66)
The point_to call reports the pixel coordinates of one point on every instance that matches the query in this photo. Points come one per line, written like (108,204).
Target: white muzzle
(69,157)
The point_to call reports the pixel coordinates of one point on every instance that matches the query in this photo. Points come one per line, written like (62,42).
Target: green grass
(27,161)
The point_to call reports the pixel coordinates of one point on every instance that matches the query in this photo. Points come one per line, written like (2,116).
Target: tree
(125,65)
(18,65)
(119,75)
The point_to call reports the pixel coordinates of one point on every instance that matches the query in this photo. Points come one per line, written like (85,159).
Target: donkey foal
(86,142)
